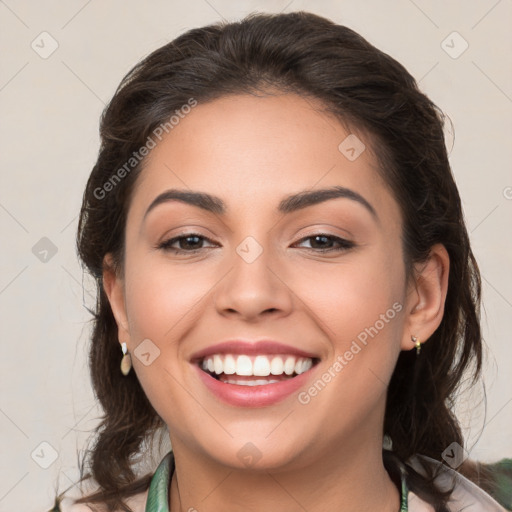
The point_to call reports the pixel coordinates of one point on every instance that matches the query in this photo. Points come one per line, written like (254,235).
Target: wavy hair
(365,89)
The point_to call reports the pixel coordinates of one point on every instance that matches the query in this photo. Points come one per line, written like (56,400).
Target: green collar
(158,494)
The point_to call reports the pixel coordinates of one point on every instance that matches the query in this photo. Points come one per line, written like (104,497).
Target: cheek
(359,307)
(159,297)
(349,296)
(361,314)
(162,304)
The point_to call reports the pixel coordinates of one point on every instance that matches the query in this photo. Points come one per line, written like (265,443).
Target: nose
(254,289)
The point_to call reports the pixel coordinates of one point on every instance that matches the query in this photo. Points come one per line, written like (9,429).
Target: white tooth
(204,364)
(258,382)
(243,365)
(277,366)
(303,364)
(217,364)
(289,365)
(210,364)
(261,366)
(249,383)
(229,365)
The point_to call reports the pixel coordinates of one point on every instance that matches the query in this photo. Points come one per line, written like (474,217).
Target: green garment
(158,495)
(502,489)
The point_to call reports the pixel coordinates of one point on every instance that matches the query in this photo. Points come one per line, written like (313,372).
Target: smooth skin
(251,152)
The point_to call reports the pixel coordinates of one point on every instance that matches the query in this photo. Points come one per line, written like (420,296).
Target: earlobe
(427,296)
(114,289)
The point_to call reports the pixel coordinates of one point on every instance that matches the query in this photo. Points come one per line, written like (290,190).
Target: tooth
(258,382)
(302,365)
(243,365)
(217,364)
(261,366)
(229,365)
(289,365)
(276,366)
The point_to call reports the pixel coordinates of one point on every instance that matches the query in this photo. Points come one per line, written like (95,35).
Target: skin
(252,152)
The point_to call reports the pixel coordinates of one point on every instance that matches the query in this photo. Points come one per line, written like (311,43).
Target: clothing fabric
(466,496)
(158,496)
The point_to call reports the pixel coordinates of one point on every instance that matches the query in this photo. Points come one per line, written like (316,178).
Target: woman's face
(322,278)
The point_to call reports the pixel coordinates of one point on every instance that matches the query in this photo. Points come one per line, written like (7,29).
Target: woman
(285,280)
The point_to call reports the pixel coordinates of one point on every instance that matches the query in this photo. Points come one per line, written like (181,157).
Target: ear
(426,297)
(113,285)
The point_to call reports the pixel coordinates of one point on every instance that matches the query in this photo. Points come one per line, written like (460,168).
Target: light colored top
(466,497)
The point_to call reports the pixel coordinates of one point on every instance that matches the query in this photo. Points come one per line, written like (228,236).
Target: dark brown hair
(364,88)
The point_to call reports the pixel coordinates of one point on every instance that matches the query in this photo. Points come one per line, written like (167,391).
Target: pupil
(321,237)
(189,238)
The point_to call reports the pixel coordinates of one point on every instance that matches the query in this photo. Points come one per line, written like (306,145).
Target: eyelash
(344,245)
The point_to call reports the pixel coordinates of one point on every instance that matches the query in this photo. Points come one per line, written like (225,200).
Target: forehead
(252,150)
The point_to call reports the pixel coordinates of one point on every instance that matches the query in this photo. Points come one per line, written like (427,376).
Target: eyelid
(166,242)
(325,229)
(185,229)
(344,243)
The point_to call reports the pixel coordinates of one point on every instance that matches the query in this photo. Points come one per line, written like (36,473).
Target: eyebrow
(288,205)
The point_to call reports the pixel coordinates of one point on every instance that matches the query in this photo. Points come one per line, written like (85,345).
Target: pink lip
(254,396)
(250,348)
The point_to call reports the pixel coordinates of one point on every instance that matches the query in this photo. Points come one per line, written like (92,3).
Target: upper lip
(250,348)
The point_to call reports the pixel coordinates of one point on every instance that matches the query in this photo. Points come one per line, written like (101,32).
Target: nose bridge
(253,286)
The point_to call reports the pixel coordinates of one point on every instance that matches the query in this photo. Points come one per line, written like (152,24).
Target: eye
(323,243)
(189,243)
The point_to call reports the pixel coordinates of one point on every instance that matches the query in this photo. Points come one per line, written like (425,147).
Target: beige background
(50,111)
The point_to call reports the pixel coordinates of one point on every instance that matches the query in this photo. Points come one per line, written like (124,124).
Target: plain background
(49,140)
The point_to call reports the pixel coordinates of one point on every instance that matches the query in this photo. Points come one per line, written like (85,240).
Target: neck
(349,479)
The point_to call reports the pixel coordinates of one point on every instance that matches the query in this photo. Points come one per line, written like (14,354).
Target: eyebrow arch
(288,205)
(308,198)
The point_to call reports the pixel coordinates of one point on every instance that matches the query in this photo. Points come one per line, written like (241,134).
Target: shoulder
(137,503)
(466,495)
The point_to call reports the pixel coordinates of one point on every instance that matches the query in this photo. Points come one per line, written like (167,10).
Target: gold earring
(126,361)
(417,343)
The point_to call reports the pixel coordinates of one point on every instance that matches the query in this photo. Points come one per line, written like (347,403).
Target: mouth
(255,370)
(249,373)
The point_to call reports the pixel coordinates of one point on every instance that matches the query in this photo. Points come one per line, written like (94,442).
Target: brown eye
(322,242)
(188,243)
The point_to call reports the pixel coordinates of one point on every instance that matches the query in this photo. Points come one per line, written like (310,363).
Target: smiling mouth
(255,370)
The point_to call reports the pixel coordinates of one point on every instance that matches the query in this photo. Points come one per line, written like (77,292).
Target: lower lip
(253,396)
